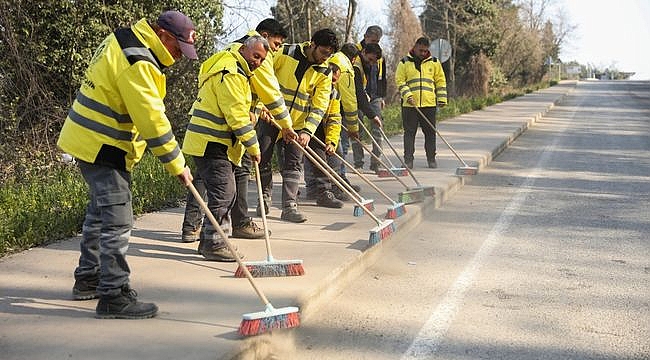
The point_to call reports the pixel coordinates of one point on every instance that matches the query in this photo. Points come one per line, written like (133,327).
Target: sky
(608,33)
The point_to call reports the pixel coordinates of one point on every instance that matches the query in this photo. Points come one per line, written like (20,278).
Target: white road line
(433,331)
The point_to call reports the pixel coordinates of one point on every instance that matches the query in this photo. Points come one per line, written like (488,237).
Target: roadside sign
(441,49)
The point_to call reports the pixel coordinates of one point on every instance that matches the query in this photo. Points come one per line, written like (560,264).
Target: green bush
(50,205)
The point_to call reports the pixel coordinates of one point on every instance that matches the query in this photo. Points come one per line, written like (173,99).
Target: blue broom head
(395,211)
(382,231)
(358,211)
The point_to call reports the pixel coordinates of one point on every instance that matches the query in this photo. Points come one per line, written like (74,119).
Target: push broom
(383,230)
(409,195)
(368,204)
(387,171)
(395,210)
(461,170)
(428,190)
(262,321)
(270,266)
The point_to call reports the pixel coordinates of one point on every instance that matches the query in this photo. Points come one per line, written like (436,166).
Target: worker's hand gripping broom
(258,322)
(461,170)
(270,266)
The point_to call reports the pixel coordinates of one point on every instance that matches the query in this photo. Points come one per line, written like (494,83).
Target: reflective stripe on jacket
(347,90)
(119,109)
(424,80)
(265,86)
(305,86)
(220,113)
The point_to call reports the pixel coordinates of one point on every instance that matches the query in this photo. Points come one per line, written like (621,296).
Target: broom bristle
(383,173)
(272,269)
(382,232)
(411,196)
(367,203)
(395,211)
(268,320)
(358,211)
(466,170)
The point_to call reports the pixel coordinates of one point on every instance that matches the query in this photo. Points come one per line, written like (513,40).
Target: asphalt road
(543,255)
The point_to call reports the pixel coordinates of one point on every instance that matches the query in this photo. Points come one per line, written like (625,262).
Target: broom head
(395,211)
(382,231)
(411,196)
(268,320)
(368,204)
(272,268)
(466,170)
(392,172)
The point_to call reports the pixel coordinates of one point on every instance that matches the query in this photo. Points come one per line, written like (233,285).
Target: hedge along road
(543,255)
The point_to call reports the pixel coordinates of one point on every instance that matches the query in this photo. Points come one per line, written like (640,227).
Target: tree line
(46,45)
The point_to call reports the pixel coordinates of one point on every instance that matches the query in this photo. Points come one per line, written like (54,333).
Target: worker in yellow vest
(220,132)
(421,83)
(117,114)
(306,83)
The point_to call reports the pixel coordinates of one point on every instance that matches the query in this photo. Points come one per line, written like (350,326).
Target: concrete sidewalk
(200,302)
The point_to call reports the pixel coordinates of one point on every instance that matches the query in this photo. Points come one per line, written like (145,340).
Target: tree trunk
(349,20)
(292,34)
(308,4)
(451,83)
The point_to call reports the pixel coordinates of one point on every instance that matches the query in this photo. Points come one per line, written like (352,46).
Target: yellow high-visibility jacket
(347,90)
(119,108)
(306,87)
(220,113)
(424,80)
(265,85)
(332,120)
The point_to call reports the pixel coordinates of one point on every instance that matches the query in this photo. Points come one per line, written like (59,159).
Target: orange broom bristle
(250,327)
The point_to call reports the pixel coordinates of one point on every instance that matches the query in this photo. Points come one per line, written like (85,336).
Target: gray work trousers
(106,228)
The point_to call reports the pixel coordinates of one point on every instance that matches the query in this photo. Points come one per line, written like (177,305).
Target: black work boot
(125,305)
(85,289)
(327,199)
